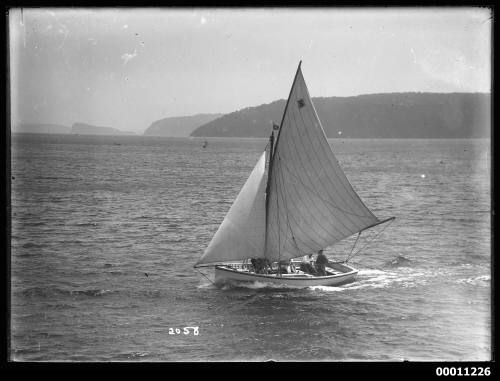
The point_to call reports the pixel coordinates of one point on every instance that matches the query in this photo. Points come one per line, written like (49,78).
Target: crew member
(306,266)
(321,262)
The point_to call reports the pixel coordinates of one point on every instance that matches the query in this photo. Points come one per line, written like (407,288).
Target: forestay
(311,204)
(242,233)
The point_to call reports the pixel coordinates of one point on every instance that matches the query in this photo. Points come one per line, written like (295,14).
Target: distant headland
(392,115)
(88,129)
(179,126)
(75,129)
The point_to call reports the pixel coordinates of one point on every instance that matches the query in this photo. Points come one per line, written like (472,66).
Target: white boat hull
(340,274)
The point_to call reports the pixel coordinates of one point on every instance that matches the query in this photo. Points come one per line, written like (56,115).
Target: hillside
(395,115)
(88,129)
(179,126)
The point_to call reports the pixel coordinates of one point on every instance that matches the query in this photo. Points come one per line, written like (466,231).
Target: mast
(315,201)
(271,146)
(286,106)
(310,202)
(269,169)
(271,162)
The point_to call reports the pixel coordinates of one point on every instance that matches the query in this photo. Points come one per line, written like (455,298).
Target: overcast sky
(126,68)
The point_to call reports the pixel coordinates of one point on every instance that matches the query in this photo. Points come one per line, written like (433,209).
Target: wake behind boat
(296,202)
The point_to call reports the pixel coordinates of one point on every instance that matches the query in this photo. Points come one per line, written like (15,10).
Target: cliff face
(397,115)
(88,129)
(179,126)
(36,128)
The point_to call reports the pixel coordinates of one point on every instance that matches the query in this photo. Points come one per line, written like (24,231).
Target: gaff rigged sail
(311,204)
(307,202)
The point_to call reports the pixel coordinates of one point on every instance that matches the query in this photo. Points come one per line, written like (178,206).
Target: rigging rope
(353,246)
(205,276)
(375,236)
(279,229)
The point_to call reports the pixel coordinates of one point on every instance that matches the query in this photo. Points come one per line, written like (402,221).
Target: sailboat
(296,202)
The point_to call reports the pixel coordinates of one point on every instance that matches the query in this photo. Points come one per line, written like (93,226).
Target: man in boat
(264,265)
(253,267)
(306,266)
(321,262)
(260,265)
(286,267)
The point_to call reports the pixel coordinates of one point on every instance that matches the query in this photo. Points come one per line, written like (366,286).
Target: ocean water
(105,232)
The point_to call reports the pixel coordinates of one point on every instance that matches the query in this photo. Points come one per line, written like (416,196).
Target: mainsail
(242,233)
(307,202)
(311,204)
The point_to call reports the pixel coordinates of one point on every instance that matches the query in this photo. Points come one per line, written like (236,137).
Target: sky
(128,67)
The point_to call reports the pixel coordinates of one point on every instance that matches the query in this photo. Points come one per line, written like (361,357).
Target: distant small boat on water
(205,144)
(296,202)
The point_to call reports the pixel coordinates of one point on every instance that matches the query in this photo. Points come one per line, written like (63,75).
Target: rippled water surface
(105,232)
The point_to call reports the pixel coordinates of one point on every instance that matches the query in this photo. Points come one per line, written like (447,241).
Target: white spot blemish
(340,132)
(413,55)
(422,176)
(128,56)
(203,20)
(63,30)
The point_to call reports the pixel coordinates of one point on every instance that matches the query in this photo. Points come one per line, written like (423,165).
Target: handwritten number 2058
(185,331)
